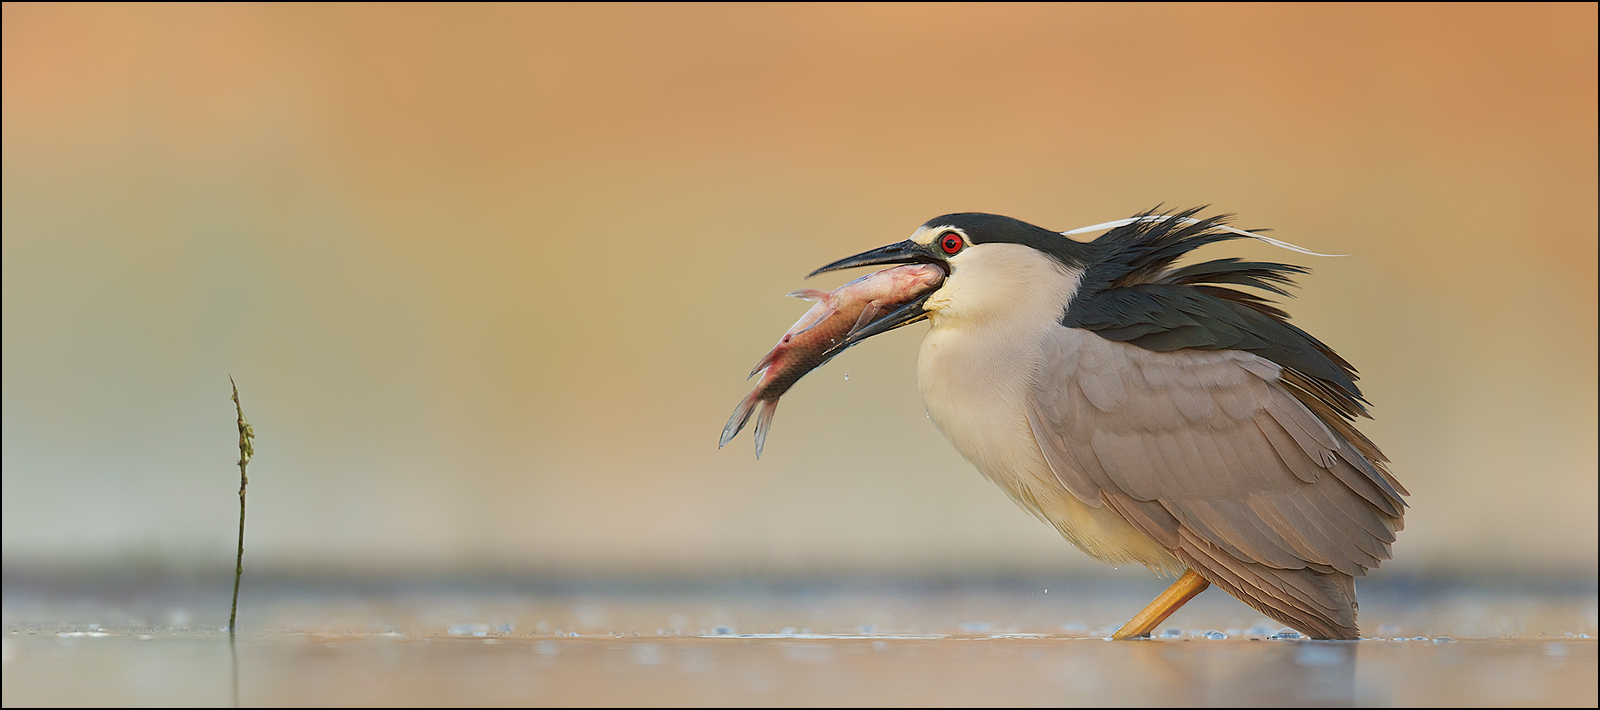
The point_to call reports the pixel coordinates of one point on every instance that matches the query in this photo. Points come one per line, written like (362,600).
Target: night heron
(1153,413)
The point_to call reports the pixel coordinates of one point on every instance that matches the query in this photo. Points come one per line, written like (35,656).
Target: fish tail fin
(741,414)
(763,423)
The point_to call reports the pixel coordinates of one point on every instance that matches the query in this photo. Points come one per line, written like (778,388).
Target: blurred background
(489,278)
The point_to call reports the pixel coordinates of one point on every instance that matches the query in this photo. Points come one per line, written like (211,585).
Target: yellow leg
(1157,611)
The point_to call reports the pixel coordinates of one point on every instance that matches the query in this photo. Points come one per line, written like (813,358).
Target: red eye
(950,243)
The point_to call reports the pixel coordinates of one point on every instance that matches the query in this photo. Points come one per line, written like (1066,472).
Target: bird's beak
(906,252)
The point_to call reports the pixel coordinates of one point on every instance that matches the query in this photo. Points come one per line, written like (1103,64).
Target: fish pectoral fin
(867,314)
(826,312)
(809,294)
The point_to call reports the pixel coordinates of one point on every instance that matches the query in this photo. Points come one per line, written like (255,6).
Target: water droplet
(1215,635)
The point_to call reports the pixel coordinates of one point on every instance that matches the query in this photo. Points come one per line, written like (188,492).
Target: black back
(1130,293)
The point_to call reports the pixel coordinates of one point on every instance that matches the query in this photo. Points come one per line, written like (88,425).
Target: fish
(824,332)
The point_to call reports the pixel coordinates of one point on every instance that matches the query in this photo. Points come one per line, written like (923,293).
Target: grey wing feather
(1212,456)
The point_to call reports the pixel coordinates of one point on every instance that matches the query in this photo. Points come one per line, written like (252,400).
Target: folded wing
(1215,456)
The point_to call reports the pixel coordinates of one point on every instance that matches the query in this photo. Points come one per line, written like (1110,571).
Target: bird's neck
(979,362)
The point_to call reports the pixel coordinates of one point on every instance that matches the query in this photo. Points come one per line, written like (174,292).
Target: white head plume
(1190,220)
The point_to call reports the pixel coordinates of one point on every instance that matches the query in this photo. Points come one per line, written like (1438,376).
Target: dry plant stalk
(247,436)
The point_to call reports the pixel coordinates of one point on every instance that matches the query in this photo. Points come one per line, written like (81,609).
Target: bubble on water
(469,629)
(722,631)
(1214,635)
(1444,639)
(1286,633)
(787,631)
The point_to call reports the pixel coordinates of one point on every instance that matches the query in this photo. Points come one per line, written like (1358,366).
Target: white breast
(977,370)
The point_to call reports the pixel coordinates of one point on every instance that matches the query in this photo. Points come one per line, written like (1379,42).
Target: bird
(1153,413)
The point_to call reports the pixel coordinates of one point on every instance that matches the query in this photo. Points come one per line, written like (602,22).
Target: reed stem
(247,436)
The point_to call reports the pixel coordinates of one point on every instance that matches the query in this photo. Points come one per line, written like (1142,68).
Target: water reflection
(1317,673)
(387,669)
(811,649)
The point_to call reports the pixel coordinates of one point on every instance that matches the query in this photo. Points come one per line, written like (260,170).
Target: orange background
(490,277)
